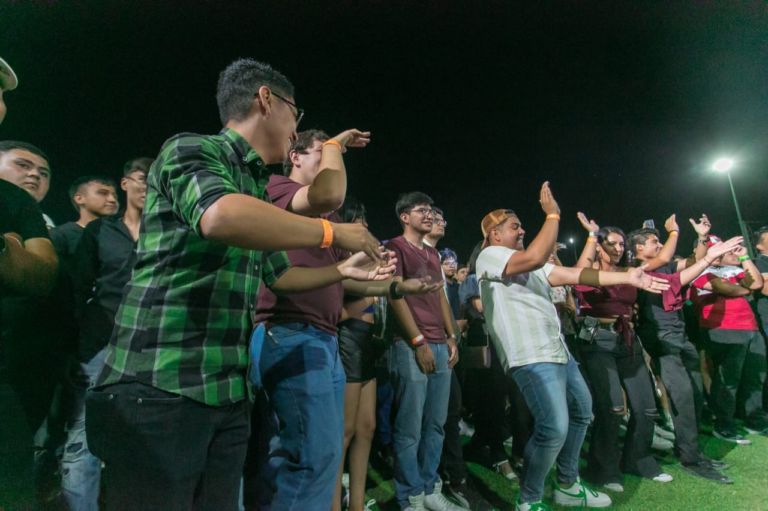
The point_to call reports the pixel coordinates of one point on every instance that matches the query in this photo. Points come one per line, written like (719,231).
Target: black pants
(164,452)
(611,365)
(452,459)
(490,387)
(738,377)
(677,360)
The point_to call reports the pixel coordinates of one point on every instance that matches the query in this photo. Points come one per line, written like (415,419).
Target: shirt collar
(246,151)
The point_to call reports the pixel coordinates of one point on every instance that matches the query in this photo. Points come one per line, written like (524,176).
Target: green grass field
(748,469)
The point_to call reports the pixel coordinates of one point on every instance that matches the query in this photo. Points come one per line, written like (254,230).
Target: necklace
(417,251)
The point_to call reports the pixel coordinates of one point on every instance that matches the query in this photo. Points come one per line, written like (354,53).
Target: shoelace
(587,488)
(369,504)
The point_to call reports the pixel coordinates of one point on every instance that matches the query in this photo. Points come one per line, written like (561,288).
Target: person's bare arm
(561,276)
(537,254)
(328,190)
(667,252)
(404,287)
(725,288)
(753,279)
(702,229)
(587,257)
(692,271)
(243,221)
(28,269)
(451,331)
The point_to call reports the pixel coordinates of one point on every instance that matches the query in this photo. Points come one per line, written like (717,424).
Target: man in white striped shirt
(523,324)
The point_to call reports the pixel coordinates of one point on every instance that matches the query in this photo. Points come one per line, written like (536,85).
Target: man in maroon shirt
(420,362)
(295,347)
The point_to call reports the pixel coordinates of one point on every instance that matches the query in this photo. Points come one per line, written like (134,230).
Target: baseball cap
(8,79)
(711,240)
(492,220)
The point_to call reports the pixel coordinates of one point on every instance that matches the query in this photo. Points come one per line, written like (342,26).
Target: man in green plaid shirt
(168,413)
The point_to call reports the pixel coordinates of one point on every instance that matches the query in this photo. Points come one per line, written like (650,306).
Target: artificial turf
(748,469)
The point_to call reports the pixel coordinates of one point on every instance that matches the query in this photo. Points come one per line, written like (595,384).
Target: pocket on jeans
(100,420)
(163,407)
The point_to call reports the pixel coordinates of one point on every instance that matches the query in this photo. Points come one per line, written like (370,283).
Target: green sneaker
(531,506)
(580,495)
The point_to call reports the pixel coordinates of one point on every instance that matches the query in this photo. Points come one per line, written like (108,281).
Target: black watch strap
(393,292)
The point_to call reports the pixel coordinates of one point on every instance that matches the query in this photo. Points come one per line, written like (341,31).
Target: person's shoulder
(189,144)
(495,252)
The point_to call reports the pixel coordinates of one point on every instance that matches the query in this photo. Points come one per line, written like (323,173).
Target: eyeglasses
(440,221)
(140,182)
(299,111)
(450,264)
(424,211)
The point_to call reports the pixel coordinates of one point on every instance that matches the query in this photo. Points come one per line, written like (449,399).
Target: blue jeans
(81,470)
(303,377)
(561,406)
(384,395)
(421,401)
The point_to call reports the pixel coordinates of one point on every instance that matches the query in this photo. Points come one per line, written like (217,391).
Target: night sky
(623,106)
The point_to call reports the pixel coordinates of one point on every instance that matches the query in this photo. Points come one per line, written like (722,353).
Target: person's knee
(366,427)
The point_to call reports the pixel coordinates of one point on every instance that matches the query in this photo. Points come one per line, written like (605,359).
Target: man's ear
(264,100)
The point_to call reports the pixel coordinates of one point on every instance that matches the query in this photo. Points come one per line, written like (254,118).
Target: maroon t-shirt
(426,309)
(320,308)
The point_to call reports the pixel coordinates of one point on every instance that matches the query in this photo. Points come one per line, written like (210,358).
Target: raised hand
(352,138)
(547,201)
(671,224)
(703,227)
(740,251)
(641,280)
(421,286)
(589,225)
(724,247)
(362,267)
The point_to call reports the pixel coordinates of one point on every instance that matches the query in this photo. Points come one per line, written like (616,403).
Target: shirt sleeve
(703,279)
(674,297)
(273,267)
(194,175)
(394,247)
(281,190)
(492,262)
(31,222)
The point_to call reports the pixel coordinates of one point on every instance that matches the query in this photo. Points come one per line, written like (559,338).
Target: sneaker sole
(718,481)
(725,438)
(574,502)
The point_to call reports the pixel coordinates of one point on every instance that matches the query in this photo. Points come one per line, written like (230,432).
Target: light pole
(725,165)
(573,246)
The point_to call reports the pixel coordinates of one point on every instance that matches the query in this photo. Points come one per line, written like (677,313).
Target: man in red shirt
(733,342)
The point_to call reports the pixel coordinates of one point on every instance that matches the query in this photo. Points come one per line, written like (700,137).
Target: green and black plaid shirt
(187,314)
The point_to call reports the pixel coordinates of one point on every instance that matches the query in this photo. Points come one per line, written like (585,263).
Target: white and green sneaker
(531,506)
(580,495)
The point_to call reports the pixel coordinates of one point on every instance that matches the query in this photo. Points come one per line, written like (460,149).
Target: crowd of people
(227,334)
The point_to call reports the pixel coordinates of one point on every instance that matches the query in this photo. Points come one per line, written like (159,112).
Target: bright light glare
(723,165)
(570,239)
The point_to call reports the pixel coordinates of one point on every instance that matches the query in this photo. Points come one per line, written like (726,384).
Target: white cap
(8,79)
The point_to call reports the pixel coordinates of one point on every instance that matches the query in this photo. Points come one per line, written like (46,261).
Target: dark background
(623,106)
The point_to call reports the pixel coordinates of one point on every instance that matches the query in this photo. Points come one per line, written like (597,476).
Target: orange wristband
(333,143)
(592,239)
(674,233)
(418,340)
(327,233)
(556,217)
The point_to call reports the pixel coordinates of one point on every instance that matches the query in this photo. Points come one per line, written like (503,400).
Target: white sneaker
(663,478)
(614,487)
(532,506)
(580,495)
(345,480)
(663,433)
(416,503)
(438,502)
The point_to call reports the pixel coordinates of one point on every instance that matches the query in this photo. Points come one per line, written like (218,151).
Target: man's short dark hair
(240,81)
(639,237)
(437,211)
(10,145)
(74,188)
(408,201)
(447,253)
(141,164)
(303,142)
(758,235)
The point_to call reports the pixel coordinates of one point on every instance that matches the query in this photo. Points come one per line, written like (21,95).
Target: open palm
(361,267)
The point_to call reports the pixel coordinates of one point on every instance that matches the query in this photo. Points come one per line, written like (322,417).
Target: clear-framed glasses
(299,111)
(440,221)
(451,264)
(142,181)
(424,211)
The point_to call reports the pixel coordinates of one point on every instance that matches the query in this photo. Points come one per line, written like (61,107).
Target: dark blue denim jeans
(421,401)
(561,407)
(303,378)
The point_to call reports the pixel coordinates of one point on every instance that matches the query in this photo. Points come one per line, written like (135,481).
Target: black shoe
(469,498)
(717,464)
(731,436)
(704,470)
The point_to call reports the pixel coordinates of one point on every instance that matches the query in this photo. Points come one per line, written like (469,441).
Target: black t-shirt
(654,320)
(762,300)
(18,214)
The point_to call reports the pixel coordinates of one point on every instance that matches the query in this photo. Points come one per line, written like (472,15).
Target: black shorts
(357,350)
